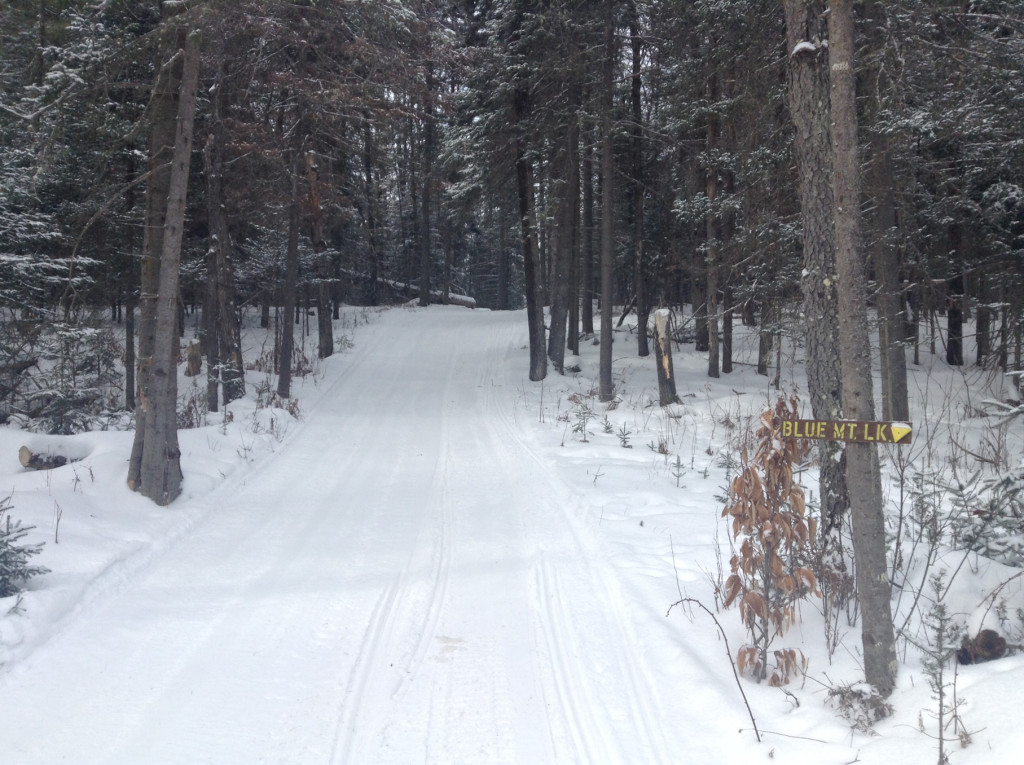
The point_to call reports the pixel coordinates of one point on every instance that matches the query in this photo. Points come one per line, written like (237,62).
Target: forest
(548,154)
(847,176)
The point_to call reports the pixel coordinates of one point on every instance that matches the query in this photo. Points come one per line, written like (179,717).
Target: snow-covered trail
(400,583)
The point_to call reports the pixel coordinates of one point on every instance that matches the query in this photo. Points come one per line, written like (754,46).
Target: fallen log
(48,452)
(34,461)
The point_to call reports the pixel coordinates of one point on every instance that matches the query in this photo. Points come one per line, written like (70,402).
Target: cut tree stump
(193,360)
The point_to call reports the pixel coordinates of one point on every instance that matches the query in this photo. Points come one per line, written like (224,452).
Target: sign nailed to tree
(849,430)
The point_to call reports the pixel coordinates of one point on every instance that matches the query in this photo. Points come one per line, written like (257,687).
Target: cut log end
(35,461)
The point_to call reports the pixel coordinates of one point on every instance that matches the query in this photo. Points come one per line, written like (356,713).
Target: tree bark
(765,336)
(663,358)
(587,248)
(606,389)
(891,315)
(291,278)
(955,312)
(429,149)
(370,191)
(221,330)
(534,303)
(643,307)
(564,251)
(504,264)
(155,465)
(863,477)
(885,251)
(808,96)
(324,314)
(727,321)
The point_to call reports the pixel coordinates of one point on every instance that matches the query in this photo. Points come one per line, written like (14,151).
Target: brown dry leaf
(798,503)
(733,587)
(748,661)
(809,580)
(755,603)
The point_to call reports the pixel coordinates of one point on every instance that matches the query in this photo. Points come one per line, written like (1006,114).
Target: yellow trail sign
(849,430)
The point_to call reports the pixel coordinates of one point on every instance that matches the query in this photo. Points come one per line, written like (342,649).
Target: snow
(804,47)
(442,562)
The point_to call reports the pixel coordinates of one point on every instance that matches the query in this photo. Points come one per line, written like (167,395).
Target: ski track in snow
(397,586)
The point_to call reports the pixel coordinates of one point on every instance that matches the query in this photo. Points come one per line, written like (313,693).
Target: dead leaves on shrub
(790,664)
(768,575)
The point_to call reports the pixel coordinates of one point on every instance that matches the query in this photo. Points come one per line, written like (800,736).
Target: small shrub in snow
(193,408)
(770,574)
(942,638)
(14,566)
(860,705)
(74,380)
(988,516)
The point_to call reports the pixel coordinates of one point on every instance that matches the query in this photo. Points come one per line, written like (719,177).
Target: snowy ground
(441,562)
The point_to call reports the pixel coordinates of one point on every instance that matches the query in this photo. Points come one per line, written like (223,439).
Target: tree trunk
(955,316)
(727,320)
(587,249)
(289,288)
(221,329)
(129,350)
(371,295)
(564,252)
(429,149)
(713,234)
(534,303)
(663,357)
(155,464)
(643,307)
(863,477)
(698,292)
(808,97)
(764,345)
(606,388)
(891,316)
(885,254)
(573,329)
(324,314)
(504,266)
(210,344)
(983,322)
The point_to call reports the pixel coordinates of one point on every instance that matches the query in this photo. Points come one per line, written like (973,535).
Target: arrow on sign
(855,431)
(900,430)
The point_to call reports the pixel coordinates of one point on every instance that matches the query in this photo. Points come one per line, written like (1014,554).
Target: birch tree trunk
(155,465)
(862,474)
